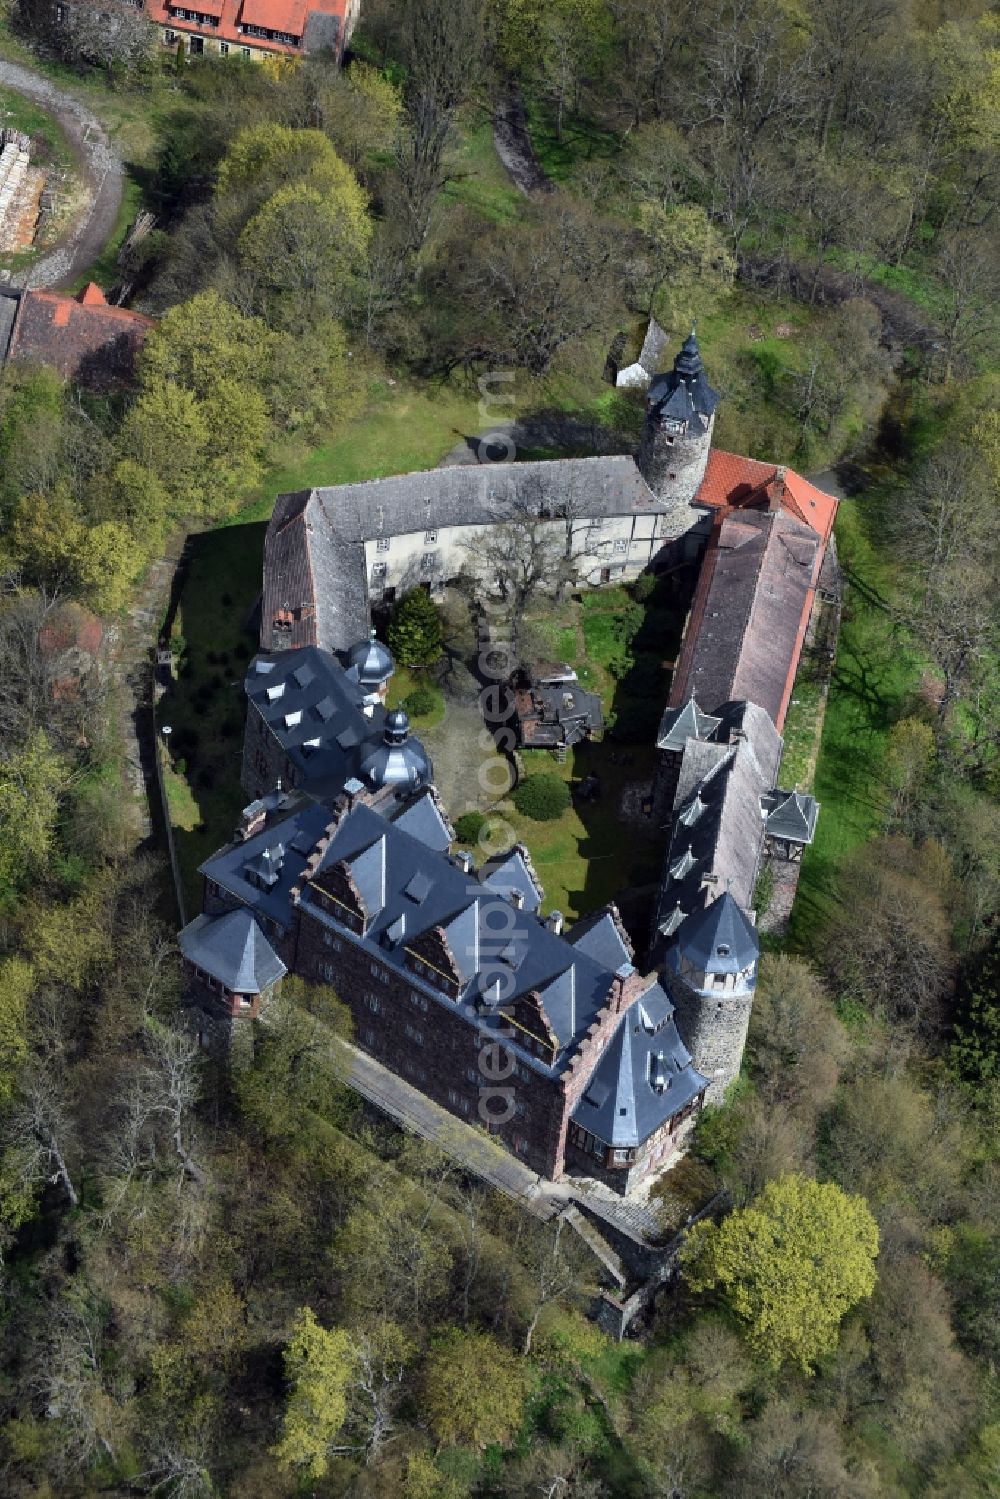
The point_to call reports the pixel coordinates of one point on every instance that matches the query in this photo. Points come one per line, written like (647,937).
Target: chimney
(554,922)
(463,860)
(776,489)
(618,986)
(252,821)
(517,899)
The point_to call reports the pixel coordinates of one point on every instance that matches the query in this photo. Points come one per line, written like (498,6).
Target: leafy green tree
(542,797)
(976,1047)
(789,1267)
(33,780)
(416,634)
(304,245)
(474,1389)
(686,266)
(318,1367)
(558,44)
(16,984)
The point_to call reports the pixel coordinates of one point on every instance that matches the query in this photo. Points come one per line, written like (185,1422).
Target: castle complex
(581,1054)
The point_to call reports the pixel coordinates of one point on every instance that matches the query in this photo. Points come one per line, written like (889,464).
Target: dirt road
(101,174)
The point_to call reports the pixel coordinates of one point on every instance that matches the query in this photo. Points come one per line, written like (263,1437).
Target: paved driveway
(101,175)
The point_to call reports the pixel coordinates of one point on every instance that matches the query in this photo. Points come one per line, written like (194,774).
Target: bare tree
(443,44)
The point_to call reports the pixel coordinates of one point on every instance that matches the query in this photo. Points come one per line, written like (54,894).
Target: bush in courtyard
(469,826)
(415,634)
(421,702)
(544,797)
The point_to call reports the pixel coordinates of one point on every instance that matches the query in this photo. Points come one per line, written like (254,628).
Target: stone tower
(680,415)
(711,973)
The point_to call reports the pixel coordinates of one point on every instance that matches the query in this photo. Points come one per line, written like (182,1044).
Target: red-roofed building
(82,337)
(256,28)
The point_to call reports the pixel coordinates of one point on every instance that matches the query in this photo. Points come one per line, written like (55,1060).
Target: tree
(898,959)
(684,266)
(416,634)
(318,1367)
(443,44)
(556,45)
(796,1043)
(305,244)
(474,1389)
(33,780)
(976,1045)
(542,797)
(789,1267)
(527,289)
(16,984)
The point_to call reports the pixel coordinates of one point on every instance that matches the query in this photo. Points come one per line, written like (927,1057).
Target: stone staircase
(597,1244)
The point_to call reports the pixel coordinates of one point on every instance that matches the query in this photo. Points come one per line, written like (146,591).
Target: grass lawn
(587,857)
(50,148)
(874,679)
(799,732)
(477,177)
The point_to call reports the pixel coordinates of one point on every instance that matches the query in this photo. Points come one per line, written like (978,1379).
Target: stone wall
(674,467)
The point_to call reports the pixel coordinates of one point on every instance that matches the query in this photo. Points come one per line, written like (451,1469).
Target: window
(379,973)
(621,546)
(429,562)
(368,1037)
(224,48)
(430,538)
(419,1001)
(378,570)
(245,51)
(327,971)
(414,1034)
(245,1001)
(373,1002)
(168,36)
(382,545)
(332,941)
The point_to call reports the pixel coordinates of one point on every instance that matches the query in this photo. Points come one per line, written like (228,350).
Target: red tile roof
(286,17)
(82,337)
(746,483)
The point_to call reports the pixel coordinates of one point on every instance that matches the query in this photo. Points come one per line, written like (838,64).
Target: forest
(246,1284)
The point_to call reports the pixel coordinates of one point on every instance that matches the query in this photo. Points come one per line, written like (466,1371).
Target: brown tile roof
(82,337)
(750,612)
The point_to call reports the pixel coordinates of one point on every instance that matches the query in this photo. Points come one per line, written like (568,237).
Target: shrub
(469,826)
(415,634)
(421,702)
(543,798)
(644,587)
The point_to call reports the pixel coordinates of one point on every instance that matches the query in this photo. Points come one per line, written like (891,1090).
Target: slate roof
(791,815)
(314,558)
(718,939)
(236,867)
(683,394)
(750,612)
(234,950)
(400,760)
(373,661)
(513,870)
(532,956)
(678,725)
(602,936)
(644,1077)
(424,819)
(718,828)
(316,710)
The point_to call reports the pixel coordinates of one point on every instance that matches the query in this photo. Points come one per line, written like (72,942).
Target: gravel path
(101,175)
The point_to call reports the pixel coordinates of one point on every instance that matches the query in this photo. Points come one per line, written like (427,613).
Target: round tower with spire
(711,974)
(680,415)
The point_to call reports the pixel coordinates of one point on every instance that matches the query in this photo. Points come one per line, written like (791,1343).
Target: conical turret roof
(719,938)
